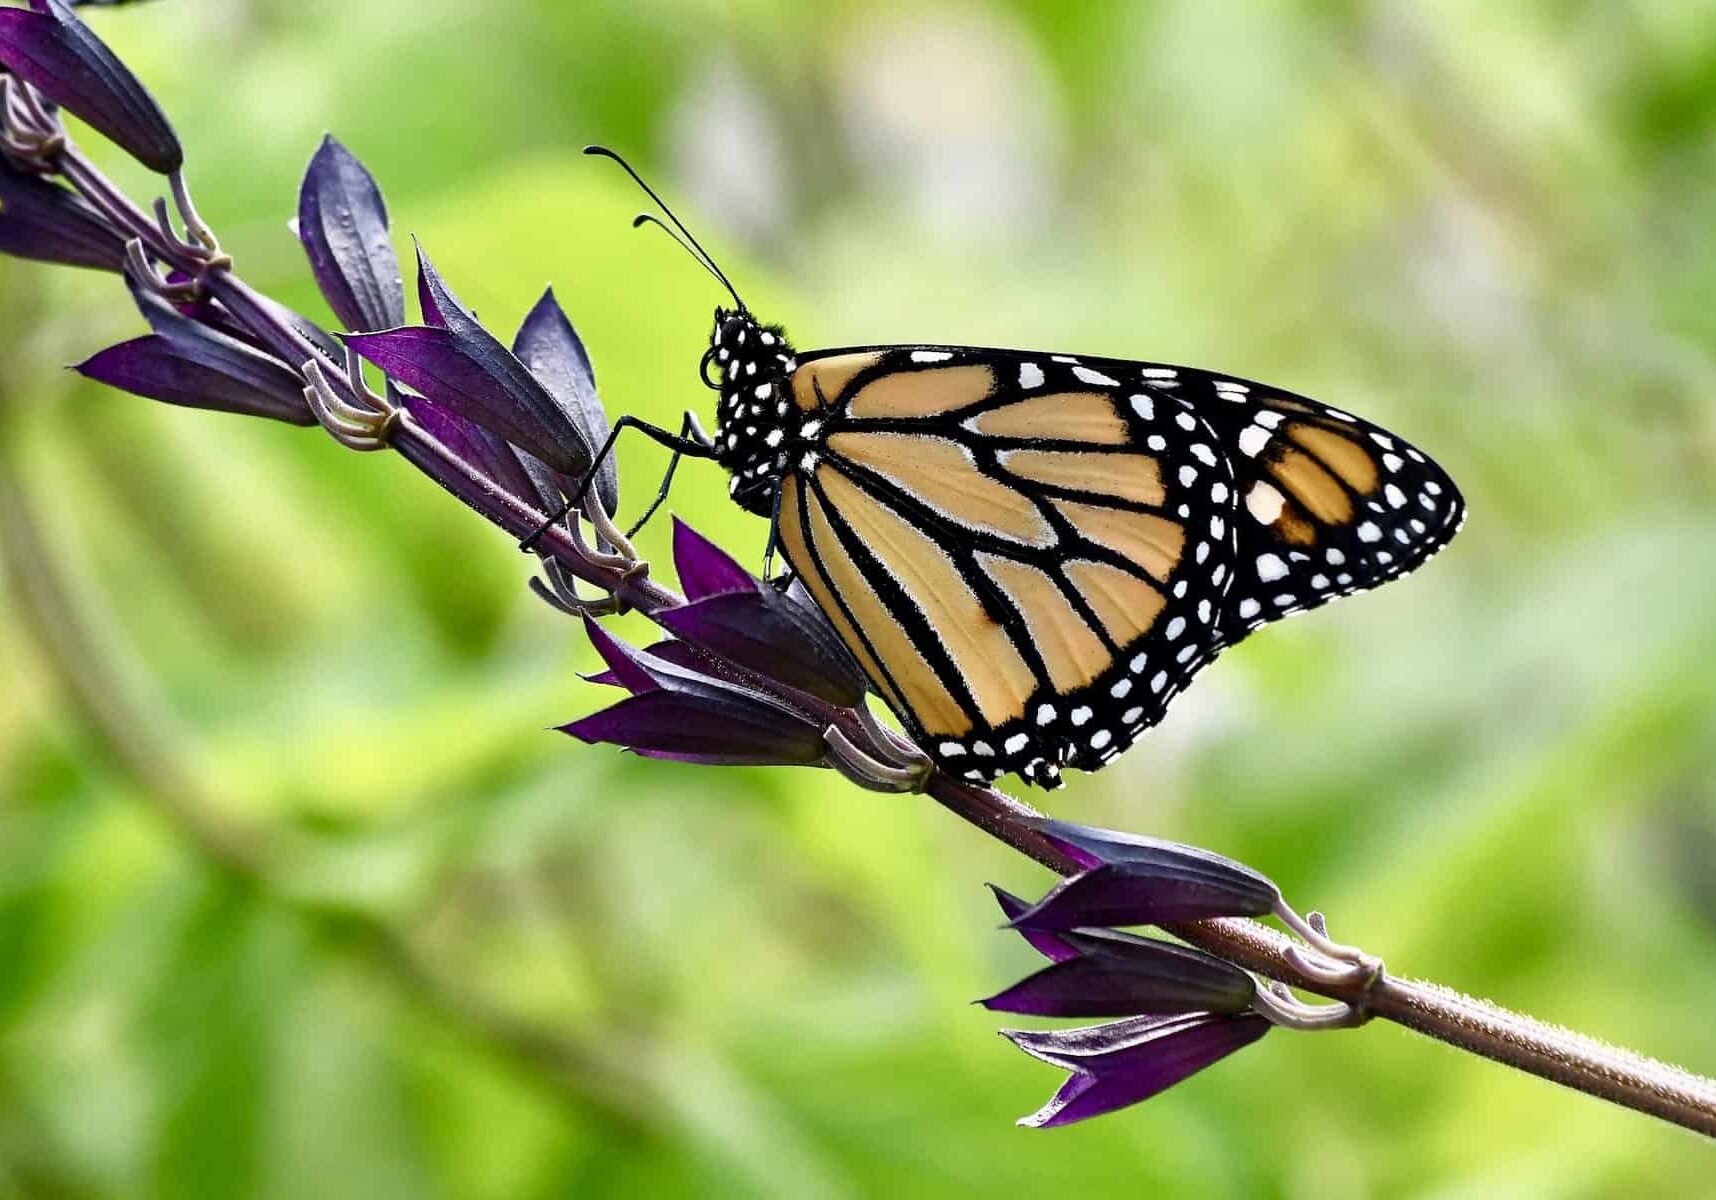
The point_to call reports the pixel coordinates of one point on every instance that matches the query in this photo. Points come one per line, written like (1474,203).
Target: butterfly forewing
(1327,504)
(1029,555)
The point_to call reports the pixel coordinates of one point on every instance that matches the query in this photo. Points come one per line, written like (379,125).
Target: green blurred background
(449,954)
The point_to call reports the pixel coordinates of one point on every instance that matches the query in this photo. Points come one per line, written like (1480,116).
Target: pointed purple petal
(552,351)
(46,222)
(704,568)
(52,50)
(1118,975)
(668,650)
(1114,846)
(622,660)
(342,222)
(218,374)
(464,368)
(1046,944)
(771,635)
(717,728)
(1138,1060)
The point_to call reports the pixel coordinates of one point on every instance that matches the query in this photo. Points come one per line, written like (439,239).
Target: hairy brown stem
(1571,1059)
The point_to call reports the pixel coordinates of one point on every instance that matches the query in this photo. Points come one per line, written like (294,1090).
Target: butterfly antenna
(690,239)
(643,219)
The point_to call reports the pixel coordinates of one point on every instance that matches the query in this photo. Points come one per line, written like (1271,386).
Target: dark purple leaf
(462,367)
(46,222)
(1136,880)
(669,650)
(216,373)
(52,50)
(490,455)
(1129,1061)
(1048,945)
(1118,975)
(769,634)
(624,663)
(692,716)
(716,728)
(342,222)
(704,568)
(550,348)
(432,314)
(1136,894)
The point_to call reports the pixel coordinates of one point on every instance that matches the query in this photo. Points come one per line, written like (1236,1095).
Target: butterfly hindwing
(1033,554)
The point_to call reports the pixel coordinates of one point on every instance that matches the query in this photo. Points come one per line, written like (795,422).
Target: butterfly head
(751,365)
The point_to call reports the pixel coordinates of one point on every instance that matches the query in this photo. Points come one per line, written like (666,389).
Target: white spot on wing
(1252,439)
(1264,502)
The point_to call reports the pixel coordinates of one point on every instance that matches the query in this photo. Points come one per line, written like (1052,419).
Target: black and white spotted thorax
(759,426)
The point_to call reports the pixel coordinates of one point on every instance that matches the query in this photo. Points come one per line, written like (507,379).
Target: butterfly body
(1032,554)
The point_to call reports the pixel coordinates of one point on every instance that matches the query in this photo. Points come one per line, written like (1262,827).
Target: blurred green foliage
(1485,225)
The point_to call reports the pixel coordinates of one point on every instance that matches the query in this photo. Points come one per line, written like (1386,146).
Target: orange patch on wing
(796,546)
(1135,477)
(942,474)
(1340,453)
(902,395)
(1154,543)
(830,376)
(997,676)
(1071,650)
(1310,483)
(1124,603)
(926,698)
(1061,416)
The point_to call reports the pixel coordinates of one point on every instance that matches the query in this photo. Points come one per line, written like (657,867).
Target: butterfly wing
(1033,554)
(1327,503)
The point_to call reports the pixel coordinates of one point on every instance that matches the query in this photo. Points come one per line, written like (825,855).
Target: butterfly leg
(691,441)
(690,432)
(774,537)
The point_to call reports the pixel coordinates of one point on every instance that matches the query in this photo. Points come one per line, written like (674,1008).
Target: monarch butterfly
(1032,554)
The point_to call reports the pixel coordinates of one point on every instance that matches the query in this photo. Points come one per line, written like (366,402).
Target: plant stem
(1559,1055)
(1573,1060)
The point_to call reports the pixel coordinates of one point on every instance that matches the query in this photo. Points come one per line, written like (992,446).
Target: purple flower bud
(1136,880)
(198,366)
(342,222)
(1118,975)
(678,713)
(1125,1062)
(48,47)
(462,367)
(49,223)
(743,620)
(212,372)
(552,351)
